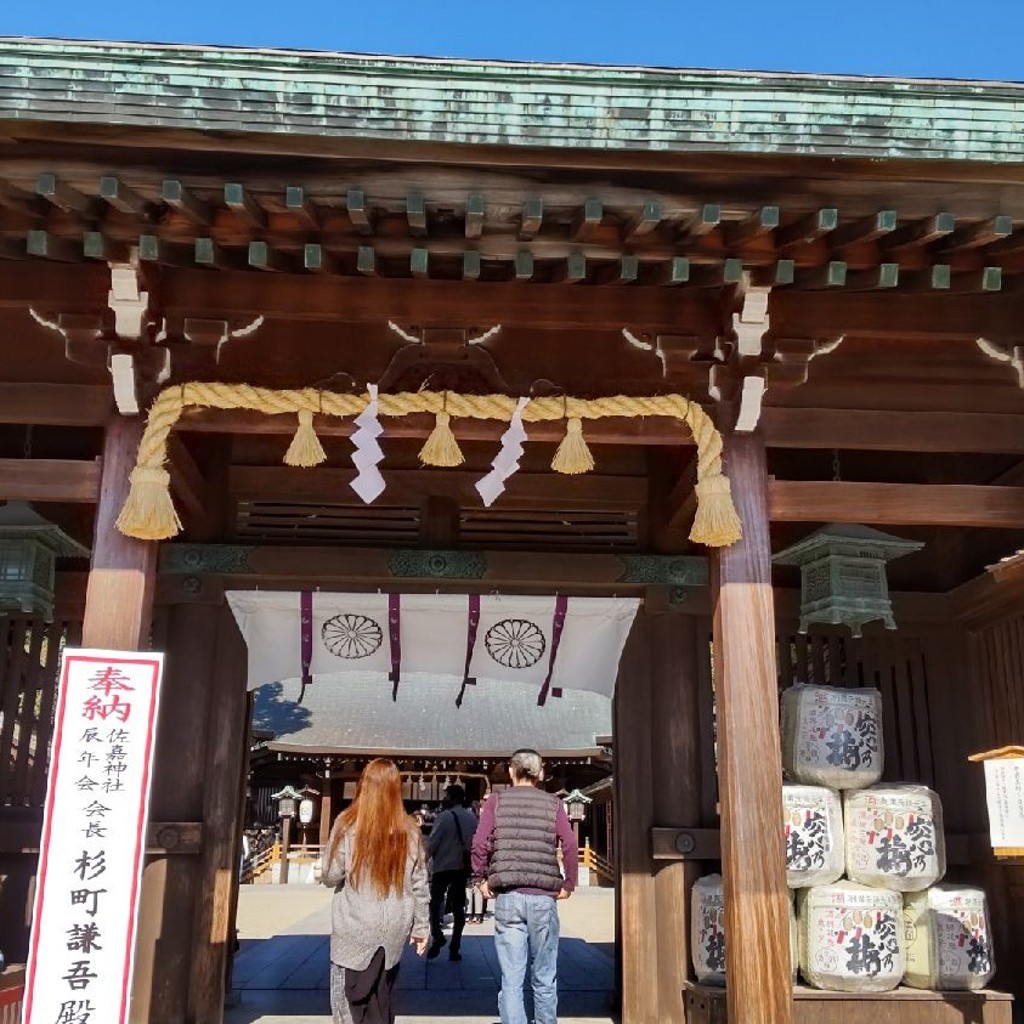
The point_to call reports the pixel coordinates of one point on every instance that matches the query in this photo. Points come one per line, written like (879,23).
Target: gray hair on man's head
(527,763)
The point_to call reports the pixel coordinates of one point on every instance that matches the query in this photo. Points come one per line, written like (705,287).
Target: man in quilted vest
(515,860)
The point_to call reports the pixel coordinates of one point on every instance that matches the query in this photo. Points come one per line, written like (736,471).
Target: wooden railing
(603,868)
(259,863)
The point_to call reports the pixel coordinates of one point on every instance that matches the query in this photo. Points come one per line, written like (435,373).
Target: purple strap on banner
(561,607)
(395,636)
(306,638)
(472,625)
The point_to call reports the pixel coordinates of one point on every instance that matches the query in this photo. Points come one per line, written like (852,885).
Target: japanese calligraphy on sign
(1004,790)
(93,840)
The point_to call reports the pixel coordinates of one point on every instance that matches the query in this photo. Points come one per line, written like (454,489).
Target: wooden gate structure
(847,253)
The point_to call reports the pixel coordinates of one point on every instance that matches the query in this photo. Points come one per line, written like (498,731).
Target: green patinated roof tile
(516,104)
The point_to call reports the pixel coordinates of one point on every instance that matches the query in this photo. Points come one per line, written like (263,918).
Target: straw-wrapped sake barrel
(949,939)
(851,938)
(894,837)
(832,737)
(707,930)
(815,850)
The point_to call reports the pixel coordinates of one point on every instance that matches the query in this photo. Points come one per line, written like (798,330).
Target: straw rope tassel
(305,449)
(716,522)
(149,512)
(573,456)
(441,448)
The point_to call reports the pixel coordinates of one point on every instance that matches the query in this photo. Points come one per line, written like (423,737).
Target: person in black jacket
(515,859)
(449,845)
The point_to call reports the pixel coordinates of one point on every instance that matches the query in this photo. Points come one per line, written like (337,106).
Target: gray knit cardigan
(363,921)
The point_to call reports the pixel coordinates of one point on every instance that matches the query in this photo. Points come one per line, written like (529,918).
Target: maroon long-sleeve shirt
(483,847)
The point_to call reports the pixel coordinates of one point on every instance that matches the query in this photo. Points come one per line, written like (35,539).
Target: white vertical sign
(94,839)
(1004,792)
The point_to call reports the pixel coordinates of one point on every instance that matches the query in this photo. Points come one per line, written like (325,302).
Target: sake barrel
(949,939)
(707,930)
(894,837)
(851,938)
(813,827)
(832,737)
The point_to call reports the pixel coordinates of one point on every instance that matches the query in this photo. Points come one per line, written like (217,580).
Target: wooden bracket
(751,323)
(449,358)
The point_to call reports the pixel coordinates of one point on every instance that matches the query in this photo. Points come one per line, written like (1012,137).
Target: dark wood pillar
(675,752)
(119,597)
(760,987)
(634,814)
(213,938)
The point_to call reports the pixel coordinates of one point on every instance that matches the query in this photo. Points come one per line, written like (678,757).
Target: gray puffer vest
(525,841)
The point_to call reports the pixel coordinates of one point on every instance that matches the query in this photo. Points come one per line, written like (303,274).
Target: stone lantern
(842,575)
(29,548)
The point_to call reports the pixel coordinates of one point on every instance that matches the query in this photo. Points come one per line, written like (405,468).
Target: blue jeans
(525,930)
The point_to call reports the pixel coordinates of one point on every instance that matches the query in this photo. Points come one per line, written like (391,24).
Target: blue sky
(932,38)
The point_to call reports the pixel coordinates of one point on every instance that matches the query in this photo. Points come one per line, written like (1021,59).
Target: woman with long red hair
(376,865)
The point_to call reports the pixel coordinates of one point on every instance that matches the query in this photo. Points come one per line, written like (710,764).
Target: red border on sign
(44,845)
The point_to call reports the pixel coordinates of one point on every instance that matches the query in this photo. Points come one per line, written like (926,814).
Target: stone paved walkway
(281,971)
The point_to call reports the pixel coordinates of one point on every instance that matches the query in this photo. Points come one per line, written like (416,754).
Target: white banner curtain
(551,643)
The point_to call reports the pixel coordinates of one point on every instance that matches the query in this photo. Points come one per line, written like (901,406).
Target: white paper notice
(94,838)
(1004,792)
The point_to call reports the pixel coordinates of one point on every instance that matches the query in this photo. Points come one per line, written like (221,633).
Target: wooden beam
(644,222)
(476,208)
(432,303)
(49,480)
(587,221)
(865,230)
(241,202)
(262,257)
(359,211)
(117,194)
(47,247)
(471,265)
(972,236)
(187,481)
(300,206)
(532,218)
(13,198)
(885,275)
(920,232)
(317,261)
(419,263)
(825,501)
(933,317)
(676,271)
(61,194)
(592,491)
(807,229)
(366,261)
(97,246)
(522,265)
(749,761)
(757,225)
(885,431)
(59,405)
(573,270)
(629,269)
(416,214)
(179,198)
(119,598)
(706,219)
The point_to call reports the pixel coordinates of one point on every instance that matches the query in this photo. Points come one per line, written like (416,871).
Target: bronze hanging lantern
(842,575)
(29,548)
